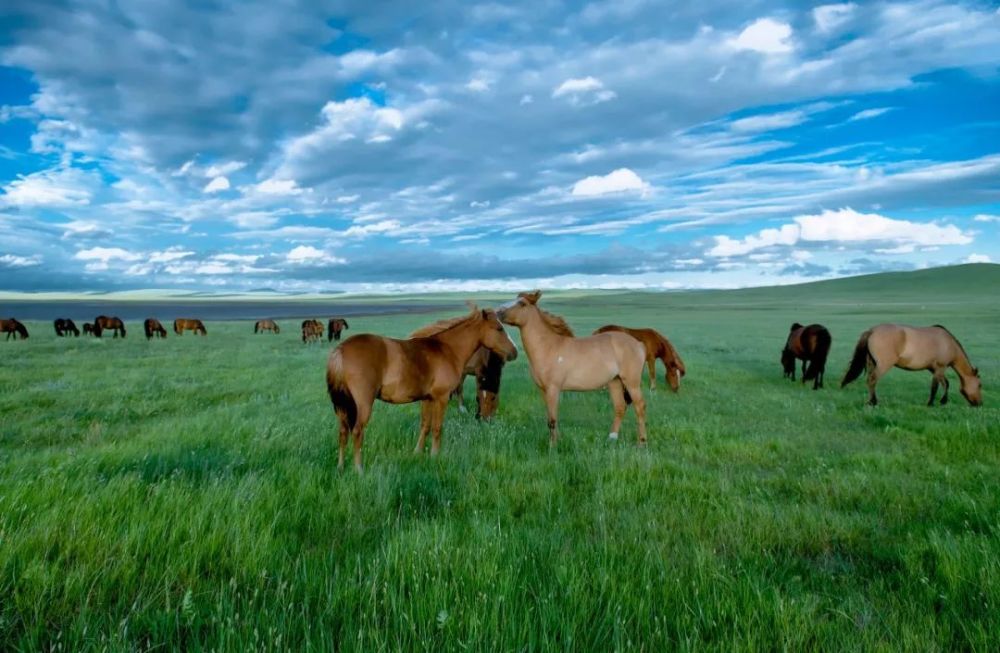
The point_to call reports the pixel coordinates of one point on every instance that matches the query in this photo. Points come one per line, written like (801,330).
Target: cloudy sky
(380,146)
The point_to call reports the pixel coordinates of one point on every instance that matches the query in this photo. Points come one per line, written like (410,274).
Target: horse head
(493,336)
(515,312)
(972,388)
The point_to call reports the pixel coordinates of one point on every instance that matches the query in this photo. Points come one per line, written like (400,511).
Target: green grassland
(183,494)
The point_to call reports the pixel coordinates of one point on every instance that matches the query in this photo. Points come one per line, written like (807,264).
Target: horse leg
(934,387)
(617,392)
(459,393)
(438,408)
(804,363)
(944,382)
(425,425)
(875,372)
(364,410)
(639,404)
(344,428)
(651,363)
(552,408)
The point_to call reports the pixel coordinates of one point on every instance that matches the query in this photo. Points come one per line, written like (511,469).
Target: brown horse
(88,328)
(487,368)
(811,345)
(657,346)
(189,324)
(266,325)
(103,323)
(914,348)
(336,325)
(559,361)
(152,327)
(425,368)
(13,328)
(312,331)
(66,326)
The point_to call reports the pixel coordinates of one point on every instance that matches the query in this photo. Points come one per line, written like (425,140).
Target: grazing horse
(13,328)
(486,367)
(266,325)
(930,348)
(559,361)
(66,326)
(426,368)
(657,346)
(88,328)
(189,324)
(103,322)
(152,327)
(312,331)
(336,325)
(811,345)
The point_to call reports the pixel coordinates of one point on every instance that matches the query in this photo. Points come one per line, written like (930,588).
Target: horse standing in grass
(312,331)
(933,348)
(657,346)
(66,326)
(266,325)
(103,323)
(811,345)
(559,361)
(487,368)
(13,328)
(88,328)
(152,327)
(424,368)
(336,326)
(189,324)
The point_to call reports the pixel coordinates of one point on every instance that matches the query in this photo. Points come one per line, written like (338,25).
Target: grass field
(184,494)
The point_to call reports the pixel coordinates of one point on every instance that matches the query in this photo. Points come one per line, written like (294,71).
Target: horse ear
(485,314)
(975,371)
(532,297)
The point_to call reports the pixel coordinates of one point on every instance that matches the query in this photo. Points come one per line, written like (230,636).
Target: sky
(399,146)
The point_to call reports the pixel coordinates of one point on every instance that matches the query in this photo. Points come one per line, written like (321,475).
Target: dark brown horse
(657,346)
(66,326)
(152,327)
(102,323)
(811,345)
(189,324)
(335,326)
(13,328)
(932,348)
(266,325)
(427,368)
(88,328)
(312,331)
(487,368)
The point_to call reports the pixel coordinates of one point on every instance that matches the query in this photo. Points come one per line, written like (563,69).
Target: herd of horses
(431,364)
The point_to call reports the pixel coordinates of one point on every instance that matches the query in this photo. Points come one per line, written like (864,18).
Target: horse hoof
(612,436)
(641,444)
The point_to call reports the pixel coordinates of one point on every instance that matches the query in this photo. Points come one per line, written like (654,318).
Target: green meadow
(183,494)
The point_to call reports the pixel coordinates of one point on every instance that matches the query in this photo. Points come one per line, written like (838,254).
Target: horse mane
(443,325)
(556,324)
(957,342)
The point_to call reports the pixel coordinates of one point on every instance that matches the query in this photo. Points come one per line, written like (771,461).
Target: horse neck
(961,364)
(536,335)
(461,339)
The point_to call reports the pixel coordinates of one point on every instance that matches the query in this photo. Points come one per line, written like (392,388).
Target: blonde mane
(556,324)
(443,325)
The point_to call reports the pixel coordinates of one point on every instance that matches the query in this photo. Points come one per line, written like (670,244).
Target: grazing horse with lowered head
(312,331)
(189,324)
(657,346)
(427,368)
(13,328)
(811,345)
(266,325)
(487,368)
(88,328)
(932,348)
(559,361)
(152,327)
(66,326)
(336,326)
(103,323)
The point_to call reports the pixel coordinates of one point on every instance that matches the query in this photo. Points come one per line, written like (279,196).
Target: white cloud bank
(619,181)
(584,90)
(765,35)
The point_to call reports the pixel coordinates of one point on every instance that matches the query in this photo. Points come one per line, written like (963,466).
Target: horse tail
(340,394)
(123,328)
(256,327)
(822,350)
(859,360)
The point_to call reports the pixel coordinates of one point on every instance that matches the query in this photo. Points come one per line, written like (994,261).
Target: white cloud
(583,90)
(618,181)
(869,113)
(982,217)
(55,188)
(380,227)
(304,253)
(348,199)
(15,261)
(978,258)
(845,226)
(830,17)
(764,35)
(167,255)
(224,169)
(769,121)
(478,85)
(216,185)
(99,257)
(274,186)
(527,98)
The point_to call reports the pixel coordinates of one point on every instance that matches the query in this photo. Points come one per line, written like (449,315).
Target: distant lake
(86,311)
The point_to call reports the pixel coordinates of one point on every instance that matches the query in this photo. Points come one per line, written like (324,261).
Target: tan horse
(312,331)
(657,346)
(914,348)
(425,368)
(13,328)
(189,324)
(266,325)
(559,361)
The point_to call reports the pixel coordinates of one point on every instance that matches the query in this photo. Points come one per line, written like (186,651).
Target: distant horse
(189,324)
(88,328)
(657,346)
(559,361)
(914,348)
(425,368)
(486,367)
(266,325)
(66,326)
(13,328)
(335,326)
(811,345)
(312,331)
(152,327)
(103,323)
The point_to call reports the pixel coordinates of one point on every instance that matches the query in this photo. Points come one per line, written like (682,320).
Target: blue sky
(320,147)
